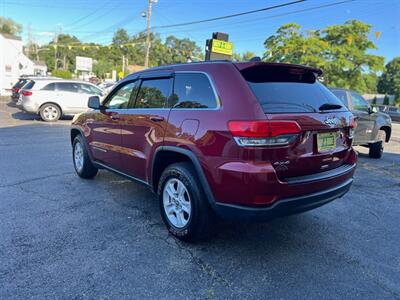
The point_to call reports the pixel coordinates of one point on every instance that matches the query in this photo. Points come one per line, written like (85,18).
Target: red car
(238,140)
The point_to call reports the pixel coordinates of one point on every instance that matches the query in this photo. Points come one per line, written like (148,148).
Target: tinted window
(283,90)
(341,95)
(89,89)
(50,87)
(193,90)
(67,87)
(20,83)
(358,102)
(153,93)
(120,99)
(29,85)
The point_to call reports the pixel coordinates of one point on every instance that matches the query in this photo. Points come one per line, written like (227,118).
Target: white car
(52,99)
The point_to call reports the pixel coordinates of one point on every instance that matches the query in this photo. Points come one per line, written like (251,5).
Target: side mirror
(94,102)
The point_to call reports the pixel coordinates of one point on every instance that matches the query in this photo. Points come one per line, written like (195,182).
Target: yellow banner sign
(222,47)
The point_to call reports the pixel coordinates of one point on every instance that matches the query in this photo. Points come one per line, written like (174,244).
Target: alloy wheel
(176,202)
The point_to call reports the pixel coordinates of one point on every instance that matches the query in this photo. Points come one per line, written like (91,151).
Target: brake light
(263,133)
(353,122)
(27,93)
(263,128)
(352,126)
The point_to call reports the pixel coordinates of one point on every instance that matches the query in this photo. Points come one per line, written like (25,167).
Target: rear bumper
(283,207)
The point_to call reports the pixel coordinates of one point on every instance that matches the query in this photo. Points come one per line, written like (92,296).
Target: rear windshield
(287,90)
(20,83)
(29,85)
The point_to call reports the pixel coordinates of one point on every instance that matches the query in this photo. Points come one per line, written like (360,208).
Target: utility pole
(149,7)
(55,49)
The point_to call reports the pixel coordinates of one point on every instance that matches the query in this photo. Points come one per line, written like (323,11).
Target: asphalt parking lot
(64,237)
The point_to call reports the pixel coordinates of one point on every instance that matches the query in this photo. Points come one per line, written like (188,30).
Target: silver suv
(55,98)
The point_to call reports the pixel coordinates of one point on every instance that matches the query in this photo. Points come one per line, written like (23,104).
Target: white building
(14,63)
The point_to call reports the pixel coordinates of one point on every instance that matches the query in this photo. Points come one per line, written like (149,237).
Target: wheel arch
(388,132)
(74,132)
(167,155)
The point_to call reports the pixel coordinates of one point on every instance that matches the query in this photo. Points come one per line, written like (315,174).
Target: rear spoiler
(245,65)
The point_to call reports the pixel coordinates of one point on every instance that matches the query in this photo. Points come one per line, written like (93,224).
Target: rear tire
(82,163)
(183,204)
(376,150)
(50,112)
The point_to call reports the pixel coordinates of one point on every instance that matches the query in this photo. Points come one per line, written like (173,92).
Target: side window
(358,102)
(193,90)
(153,93)
(67,87)
(88,89)
(120,99)
(49,87)
(342,96)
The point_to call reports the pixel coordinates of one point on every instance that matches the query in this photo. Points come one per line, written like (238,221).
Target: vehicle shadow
(23,116)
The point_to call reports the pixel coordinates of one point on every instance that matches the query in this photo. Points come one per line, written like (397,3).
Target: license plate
(326,141)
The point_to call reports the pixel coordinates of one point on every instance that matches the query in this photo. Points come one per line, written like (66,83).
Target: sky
(97,20)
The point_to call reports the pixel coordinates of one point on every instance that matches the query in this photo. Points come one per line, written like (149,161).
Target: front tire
(50,112)
(82,163)
(183,204)
(376,150)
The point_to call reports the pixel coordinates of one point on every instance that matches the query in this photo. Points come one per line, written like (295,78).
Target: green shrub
(65,74)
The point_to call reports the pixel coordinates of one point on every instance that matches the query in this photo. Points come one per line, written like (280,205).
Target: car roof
(239,65)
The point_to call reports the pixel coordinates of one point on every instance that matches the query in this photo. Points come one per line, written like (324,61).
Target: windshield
(290,91)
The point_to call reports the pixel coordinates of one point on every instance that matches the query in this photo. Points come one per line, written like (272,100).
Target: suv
(374,128)
(238,140)
(54,98)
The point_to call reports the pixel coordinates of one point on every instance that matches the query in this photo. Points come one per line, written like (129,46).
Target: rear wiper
(328,106)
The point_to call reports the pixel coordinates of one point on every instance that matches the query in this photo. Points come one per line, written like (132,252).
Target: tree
(386,100)
(120,37)
(340,50)
(180,50)
(389,82)
(62,74)
(370,82)
(9,26)
(245,56)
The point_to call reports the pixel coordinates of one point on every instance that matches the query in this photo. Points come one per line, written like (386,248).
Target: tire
(376,150)
(82,163)
(191,206)
(50,112)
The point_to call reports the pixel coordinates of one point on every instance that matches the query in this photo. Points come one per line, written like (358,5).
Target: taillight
(352,126)
(15,90)
(27,93)
(263,133)
(353,122)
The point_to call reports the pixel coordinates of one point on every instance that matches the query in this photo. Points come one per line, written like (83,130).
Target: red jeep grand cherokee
(246,140)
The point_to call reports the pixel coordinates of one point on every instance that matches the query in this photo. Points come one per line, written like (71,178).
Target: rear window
(288,90)
(29,85)
(20,83)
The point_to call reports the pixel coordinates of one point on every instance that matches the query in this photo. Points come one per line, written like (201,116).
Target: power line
(269,17)
(230,16)
(88,15)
